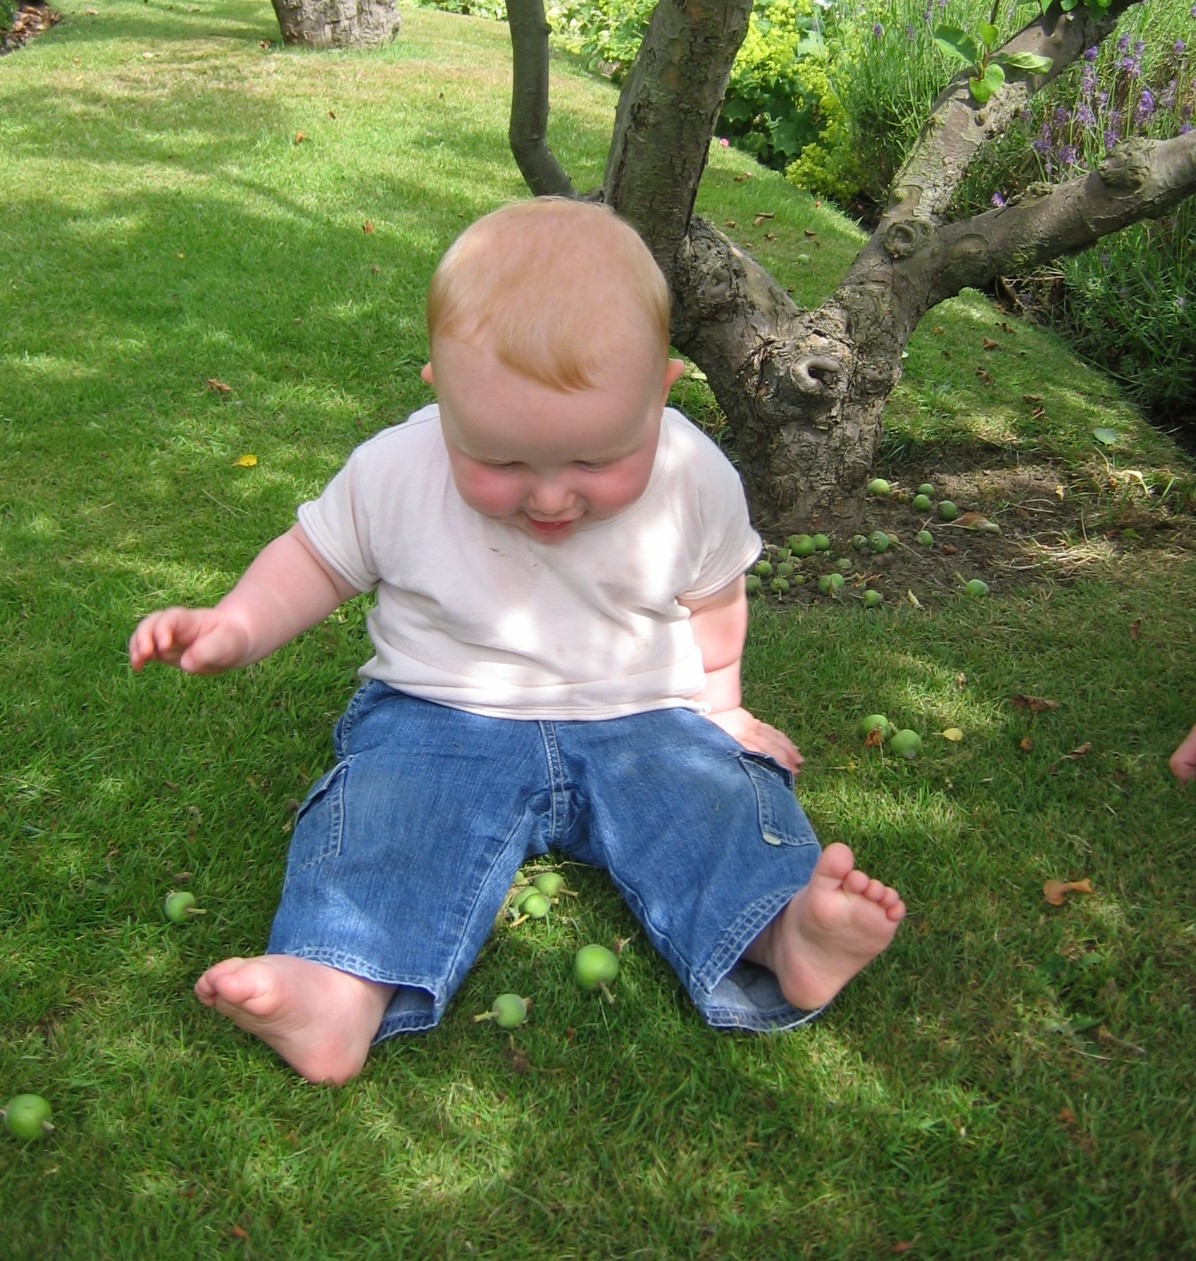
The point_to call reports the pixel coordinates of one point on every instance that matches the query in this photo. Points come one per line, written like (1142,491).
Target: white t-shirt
(474,613)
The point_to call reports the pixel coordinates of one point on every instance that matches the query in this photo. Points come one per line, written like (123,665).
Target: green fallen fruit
(859,542)
(821,543)
(905,743)
(753,583)
(550,883)
(873,599)
(28,1117)
(801,544)
(922,502)
(924,538)
(763,568)
(879,541)
(594,968)
(508,1011)
(779,586)
(874,722)
(879,487)
(976,586)
(926,489)
(831,584)
(180,906)
(786,569)
(845,564)
(803,260)
(948,511)
(535,905)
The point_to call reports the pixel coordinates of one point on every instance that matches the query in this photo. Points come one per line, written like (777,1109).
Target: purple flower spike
(998,200)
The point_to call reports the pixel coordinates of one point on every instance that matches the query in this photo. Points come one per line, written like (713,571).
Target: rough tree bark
(337,23)
(804,391)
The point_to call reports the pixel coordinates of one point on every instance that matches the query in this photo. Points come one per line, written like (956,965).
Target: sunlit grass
(165,229)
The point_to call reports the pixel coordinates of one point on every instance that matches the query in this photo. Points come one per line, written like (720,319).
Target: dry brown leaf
(1083,751)
(874,739)
(1031,398)
(761,216)
(300,137)
(989,344)
(1056,891)
(985,377)
(938,330)
(1135,628)
(367,227)
(1025,744)
(218,387)
(1035,704)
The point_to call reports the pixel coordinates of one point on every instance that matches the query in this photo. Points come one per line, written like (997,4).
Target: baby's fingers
(163,636)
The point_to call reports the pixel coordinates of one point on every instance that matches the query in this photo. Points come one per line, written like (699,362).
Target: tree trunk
(337,23)
(804,391)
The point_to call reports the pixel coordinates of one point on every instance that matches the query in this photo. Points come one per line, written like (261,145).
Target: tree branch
(958,127)
(1140,179)
(667,112)
(528,130)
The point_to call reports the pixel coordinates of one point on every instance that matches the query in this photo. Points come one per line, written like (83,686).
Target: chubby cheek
(492,493)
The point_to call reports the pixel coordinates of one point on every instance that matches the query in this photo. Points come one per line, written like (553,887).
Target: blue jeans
(403,852)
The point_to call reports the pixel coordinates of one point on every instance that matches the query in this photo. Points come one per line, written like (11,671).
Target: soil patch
(1018,524)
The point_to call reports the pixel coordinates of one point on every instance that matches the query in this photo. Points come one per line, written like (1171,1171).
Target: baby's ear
(425,375)
(672,374)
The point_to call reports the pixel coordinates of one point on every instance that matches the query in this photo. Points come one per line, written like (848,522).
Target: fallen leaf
(938,330)
(913,599)
(743,178)
(368,226)
(1082,751)
(989,344)
(1106,436)
(903,1246)
(1135,628)
(949,549)
(961,681)
(1025,744)
(245,461)
(976,521)
(332,113)
(761,216)
(1067,1116)
(1059,493)
(953,734)
(239,1232)
(218,387)
(730,223)
(810,232)
(1035,704)
(299,137)
(874,739)
(985,377)
(1031,398)
(1056,891)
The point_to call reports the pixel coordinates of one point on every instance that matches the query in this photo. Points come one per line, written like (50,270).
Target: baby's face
(545,461)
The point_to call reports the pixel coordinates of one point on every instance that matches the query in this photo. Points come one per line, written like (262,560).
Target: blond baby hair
(556,289)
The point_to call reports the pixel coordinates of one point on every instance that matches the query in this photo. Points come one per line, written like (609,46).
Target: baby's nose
(549,497)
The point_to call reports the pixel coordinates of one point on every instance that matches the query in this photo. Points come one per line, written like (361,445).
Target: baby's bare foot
(321,1021)
(829,930)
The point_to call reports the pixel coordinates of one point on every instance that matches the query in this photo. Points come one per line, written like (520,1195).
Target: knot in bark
(907,236)
(809,374)
(1128,166)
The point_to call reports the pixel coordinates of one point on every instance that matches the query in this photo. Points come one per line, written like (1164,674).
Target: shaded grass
(166,229)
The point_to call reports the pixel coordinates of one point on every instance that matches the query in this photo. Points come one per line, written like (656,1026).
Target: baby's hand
(197,641)
(759,736)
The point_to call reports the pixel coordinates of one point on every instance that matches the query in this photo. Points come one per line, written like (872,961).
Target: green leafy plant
(978,51)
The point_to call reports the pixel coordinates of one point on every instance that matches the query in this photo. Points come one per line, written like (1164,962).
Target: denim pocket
(781,820)
(320,822)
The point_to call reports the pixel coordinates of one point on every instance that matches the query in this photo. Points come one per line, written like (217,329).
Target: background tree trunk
(804,391)
(337,23)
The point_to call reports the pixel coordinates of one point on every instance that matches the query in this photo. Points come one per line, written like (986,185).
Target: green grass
(1013,1080)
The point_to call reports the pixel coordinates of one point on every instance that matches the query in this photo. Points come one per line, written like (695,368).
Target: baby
(559,614)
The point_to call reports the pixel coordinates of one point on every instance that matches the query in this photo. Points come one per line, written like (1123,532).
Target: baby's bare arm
(286,590)
(719,624)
